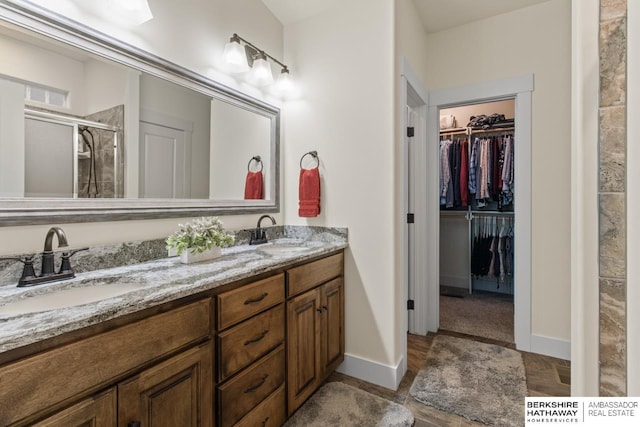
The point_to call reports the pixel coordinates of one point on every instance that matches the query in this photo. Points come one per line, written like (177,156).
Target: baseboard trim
(454,281)
(551,347)
(374,372)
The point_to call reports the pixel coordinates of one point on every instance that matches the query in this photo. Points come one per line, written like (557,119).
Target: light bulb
(260,74)
(284,85)
(235,57)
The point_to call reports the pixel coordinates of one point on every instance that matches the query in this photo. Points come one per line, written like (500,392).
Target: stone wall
(612,197)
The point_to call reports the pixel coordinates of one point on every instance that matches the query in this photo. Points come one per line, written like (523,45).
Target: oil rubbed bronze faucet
(47,253)
(48,273)
(258,235)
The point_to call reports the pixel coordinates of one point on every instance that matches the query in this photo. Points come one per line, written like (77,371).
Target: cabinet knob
(134,424)
(264,422)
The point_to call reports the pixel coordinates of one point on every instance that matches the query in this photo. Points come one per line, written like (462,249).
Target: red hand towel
(253,187)
(309,192)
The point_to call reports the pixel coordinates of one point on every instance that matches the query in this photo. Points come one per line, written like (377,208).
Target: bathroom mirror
(94,129)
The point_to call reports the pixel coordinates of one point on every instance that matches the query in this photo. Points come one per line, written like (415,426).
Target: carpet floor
(478,381)
(481,314)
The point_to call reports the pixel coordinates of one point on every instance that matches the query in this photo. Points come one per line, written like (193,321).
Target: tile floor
(544,378)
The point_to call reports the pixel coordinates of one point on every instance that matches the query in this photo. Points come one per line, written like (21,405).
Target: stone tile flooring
(544,378)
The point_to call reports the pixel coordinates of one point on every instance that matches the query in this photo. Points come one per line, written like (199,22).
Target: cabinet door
(97,411)
(177,392)
(332,325)
(303,333)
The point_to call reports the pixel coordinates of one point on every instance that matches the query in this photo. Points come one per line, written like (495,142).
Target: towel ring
(313,154)
(257,159)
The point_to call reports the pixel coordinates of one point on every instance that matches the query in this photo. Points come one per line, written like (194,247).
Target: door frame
(426,292)
(413,94)
(519,88)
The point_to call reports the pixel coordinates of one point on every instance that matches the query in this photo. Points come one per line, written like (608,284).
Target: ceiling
(436,15)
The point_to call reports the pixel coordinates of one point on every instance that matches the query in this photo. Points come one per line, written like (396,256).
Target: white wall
(513,44)
(344,61)
(33,64)
(105,86)
(11,139)
(236,136)
(175,101)
(193,34)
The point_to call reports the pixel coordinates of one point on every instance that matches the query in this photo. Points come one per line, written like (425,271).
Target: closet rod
(475,131)
(493,130)
(496,213)
(453,213)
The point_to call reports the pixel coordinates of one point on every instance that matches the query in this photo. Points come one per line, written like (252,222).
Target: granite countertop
(152,283)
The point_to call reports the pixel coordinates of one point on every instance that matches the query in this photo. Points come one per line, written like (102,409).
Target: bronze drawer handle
(258,299)
(257,385)
(258,338)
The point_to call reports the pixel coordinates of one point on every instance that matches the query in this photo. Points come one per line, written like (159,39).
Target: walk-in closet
(476,192)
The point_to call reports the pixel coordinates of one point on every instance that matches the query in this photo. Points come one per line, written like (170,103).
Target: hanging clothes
(491,253)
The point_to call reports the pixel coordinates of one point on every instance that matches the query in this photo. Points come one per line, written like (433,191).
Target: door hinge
(410,304)
(411,218)
(410,131)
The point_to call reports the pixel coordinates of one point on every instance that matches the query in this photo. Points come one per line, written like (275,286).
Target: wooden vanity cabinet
(177,392)
(70,378)
(251,354)
(315,326)
(96,411)
(248,356)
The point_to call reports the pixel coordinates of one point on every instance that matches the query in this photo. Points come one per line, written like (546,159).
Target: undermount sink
(283,250)
(67,298)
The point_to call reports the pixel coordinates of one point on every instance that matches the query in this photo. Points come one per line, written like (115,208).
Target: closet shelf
(469,131)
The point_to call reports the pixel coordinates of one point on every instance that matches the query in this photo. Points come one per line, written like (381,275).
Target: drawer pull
(255,300)
(257,385)
(258,338)
(264,423)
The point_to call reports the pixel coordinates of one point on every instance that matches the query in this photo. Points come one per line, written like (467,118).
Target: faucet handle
(65,266)
(27,272)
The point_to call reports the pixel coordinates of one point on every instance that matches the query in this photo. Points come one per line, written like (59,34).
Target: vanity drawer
(245,301)
(242,393)
(269,413)
(49,378)
(246,342)
(310,275)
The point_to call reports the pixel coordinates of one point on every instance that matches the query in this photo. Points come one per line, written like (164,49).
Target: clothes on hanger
(492,253)
(491,171)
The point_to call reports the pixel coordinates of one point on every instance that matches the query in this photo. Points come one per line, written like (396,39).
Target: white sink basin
(67,298)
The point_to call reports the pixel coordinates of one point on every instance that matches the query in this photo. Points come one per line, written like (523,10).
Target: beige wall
(344,59)
(194,36)
(514,44)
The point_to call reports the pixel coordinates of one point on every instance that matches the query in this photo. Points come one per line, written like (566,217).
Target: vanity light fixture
(241,55)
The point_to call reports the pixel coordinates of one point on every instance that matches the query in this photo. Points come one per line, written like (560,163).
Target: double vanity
(241,340)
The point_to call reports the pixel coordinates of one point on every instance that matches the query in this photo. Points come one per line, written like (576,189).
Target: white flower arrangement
(200,235)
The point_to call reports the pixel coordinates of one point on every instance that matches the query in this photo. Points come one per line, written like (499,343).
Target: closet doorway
(427,202)
(476,192)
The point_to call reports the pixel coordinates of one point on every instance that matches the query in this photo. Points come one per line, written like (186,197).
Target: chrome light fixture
(241,55)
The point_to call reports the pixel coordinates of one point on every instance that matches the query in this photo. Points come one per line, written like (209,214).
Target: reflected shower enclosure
(72,157)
